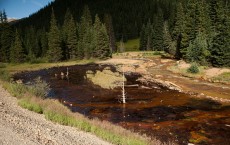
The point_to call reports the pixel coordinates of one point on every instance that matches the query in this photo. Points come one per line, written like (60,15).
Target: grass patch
(184,71)
(14,68)
(224,77)
(16,90)
(131,45)
(110,79)
(25,103)
(5,75)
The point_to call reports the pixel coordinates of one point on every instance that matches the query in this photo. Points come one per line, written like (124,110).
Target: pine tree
(54,52)
(179,21)
(109,27)
(97,27)
(44,43)
(189,33)
(83,33)
(198,50)
(158,31)
(72,39)
(70,36)
(142,38)
(169,45)
(1,17)
(220,44)
(6,41)
(16,53)
(4,16)
(146,37)
(103,43)
(178,30)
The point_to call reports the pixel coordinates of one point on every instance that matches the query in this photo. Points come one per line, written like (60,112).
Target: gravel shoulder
(19,126)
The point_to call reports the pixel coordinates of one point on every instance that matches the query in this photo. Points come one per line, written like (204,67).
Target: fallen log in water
(132,86)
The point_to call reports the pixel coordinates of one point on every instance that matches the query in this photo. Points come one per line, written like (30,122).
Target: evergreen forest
(196,31)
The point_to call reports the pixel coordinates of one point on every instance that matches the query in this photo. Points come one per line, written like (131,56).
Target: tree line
(197,31)
(86,39)
(200,32)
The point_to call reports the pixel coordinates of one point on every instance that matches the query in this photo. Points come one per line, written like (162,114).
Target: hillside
(195,31)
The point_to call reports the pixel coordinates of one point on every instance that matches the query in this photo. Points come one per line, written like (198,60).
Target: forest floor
(20,126)
(203,85)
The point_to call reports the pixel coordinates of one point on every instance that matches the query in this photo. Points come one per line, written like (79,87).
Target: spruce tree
(72,39)
(70,36)
(16,53)
(198,50)
(44,43)
(7,38)
(54,52)
(142,38)
(1,17)
(189,33)
(97,28)
(220,44)
(103,43)
(169,45)
(158,31)
(83,33)
(179,29)
(109,27)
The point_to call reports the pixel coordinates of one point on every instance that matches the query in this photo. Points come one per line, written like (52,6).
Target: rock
(158,76)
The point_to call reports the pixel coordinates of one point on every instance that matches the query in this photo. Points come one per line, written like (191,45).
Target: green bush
(194,69)
(17,90)
(30,106)
(40,88)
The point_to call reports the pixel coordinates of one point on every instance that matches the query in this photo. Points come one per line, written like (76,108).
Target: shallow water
(150,109)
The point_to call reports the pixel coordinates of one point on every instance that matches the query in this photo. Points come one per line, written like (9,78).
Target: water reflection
(156,111)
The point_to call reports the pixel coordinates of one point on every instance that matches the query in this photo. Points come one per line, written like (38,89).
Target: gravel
(19,126)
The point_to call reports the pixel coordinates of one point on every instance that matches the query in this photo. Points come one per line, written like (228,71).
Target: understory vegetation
(34,98)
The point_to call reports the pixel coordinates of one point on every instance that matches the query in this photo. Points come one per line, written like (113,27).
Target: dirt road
(19,126)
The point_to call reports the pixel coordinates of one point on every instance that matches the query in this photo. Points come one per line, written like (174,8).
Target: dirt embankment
(20,126)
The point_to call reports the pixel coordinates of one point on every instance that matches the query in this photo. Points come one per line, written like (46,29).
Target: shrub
(194,69)
(17,90)
(40,88)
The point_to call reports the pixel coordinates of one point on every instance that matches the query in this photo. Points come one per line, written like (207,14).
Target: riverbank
(20,126)
(160,71)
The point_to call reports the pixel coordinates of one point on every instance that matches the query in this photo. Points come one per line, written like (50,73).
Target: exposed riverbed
(151,109)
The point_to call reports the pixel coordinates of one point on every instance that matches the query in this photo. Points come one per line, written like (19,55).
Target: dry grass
(14,68)
(110,79)
(183,71)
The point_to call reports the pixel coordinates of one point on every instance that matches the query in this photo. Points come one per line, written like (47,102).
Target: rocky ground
(19,126)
